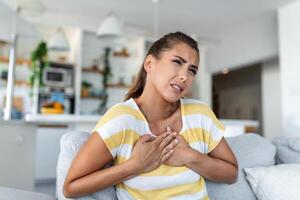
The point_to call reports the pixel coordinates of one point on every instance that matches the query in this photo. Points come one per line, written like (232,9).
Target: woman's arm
(86,175)
(219,165)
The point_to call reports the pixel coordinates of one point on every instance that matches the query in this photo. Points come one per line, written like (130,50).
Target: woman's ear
(148,63)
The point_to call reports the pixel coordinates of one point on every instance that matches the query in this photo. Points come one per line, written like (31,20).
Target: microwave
(57,77)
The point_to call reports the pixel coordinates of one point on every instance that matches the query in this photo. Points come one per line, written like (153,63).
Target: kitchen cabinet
(17,153)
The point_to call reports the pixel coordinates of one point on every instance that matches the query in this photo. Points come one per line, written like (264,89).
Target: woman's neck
(155,108)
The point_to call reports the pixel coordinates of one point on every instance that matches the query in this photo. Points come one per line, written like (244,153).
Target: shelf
(92,70)
(19,61)
(92,97)
(118,86)
(19,82)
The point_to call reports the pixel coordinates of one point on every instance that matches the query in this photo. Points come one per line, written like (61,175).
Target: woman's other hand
(150,152)
(179,156)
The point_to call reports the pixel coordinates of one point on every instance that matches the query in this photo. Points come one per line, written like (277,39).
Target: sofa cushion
(288,149)
(250,150)
(70,143)
(278,182)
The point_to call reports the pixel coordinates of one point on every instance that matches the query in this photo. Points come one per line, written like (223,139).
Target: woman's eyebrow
(184,61)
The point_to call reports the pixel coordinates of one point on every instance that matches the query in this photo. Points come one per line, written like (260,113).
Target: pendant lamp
(59,42)
(110,27)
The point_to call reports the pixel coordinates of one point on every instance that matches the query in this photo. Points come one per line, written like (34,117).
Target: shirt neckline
(147,124)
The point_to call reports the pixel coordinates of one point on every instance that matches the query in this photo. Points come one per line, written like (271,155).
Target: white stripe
(123,194)
(198,195)
(199,146)
(217,134)
(197,121)
(192,101)
(114,151)
(121,123)
(202,121)
(160,182)
(125,150)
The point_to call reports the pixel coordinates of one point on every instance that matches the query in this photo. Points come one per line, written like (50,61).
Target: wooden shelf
(19,61)
(92,70)
(19,82)
(118,86)
(92,97)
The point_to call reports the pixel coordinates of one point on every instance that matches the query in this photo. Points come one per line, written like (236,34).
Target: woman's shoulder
(194,106)
(123,108)
(194,102)
(118,114)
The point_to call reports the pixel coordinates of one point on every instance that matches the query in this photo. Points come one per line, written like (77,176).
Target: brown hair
(163,44)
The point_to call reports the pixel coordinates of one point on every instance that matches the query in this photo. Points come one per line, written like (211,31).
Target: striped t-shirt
(123,124)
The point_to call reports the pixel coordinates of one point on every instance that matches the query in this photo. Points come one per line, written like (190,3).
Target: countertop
(61,118)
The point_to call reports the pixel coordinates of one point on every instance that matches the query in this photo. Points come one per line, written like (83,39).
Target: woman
(163,146)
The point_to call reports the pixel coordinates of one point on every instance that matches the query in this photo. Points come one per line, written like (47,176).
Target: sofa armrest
(70,143)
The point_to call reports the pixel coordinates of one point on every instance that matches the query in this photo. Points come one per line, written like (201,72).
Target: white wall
(289,41)
(202,86)
(271,99)
(7,20)
(244,44)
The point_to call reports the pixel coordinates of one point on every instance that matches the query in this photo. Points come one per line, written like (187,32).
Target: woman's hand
(149,151)
(179,156)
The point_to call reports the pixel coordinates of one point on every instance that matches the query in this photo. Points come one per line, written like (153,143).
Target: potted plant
(106,75)
(39,61)
(85,88)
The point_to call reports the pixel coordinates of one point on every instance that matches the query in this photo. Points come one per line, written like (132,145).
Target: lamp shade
(110,27)
(58,42)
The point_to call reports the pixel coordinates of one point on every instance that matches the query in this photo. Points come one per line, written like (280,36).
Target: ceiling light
(59,42)
(225,71)
(110,27)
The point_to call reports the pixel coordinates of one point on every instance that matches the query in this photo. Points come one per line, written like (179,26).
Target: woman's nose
(183,76)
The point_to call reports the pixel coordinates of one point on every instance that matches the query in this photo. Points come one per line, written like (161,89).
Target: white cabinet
(17,153)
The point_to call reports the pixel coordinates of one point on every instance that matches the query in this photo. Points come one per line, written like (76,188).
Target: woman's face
(173,72)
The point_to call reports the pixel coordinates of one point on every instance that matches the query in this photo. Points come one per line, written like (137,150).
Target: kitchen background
(87,68)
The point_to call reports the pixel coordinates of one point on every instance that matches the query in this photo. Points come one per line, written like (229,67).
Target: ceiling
(202,17)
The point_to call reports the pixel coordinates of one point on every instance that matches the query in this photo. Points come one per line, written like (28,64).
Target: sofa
(251,150)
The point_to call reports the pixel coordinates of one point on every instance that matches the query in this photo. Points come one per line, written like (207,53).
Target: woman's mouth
(177,87)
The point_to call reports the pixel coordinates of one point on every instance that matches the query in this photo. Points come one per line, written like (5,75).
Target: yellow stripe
(199,135)
(166,193)
(205,198)
(195,108)
(165,170)
(118,111)
(123,137)
(130,137)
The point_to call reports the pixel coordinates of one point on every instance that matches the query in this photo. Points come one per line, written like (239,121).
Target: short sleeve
(216,131)
(109,131)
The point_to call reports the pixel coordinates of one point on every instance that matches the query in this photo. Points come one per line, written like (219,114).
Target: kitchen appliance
(58,77)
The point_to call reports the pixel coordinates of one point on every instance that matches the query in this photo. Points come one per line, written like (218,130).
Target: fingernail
(176,141)
(174,133)
(168,129)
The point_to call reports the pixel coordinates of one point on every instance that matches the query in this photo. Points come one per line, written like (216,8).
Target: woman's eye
(193,71)
(177,62)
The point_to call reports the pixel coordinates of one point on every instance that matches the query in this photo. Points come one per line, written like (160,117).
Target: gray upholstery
(16,194)
(251,150)
(288,149)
